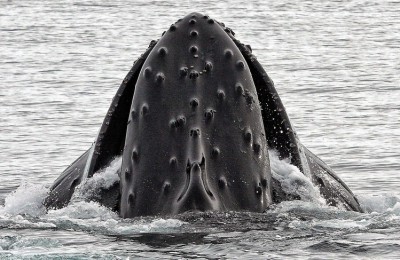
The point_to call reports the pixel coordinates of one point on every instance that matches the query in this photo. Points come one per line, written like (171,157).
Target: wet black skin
(193,121)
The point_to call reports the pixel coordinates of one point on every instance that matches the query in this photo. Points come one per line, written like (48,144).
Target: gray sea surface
(336,67)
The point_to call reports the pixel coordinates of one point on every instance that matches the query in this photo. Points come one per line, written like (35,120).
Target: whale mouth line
(187,181)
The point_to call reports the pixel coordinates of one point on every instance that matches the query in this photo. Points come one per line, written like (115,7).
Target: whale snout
(196,98)
(196,195)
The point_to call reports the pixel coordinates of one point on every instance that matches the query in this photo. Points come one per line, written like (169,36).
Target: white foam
(330,223)
(395,209)
(104,178)
(20,242)
(383,203)
(293,181)
(83,210)
(161,224)
(144,226)
(91,216)
(26,200)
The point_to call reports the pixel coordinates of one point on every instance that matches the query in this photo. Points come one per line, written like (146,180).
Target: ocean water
(335,64)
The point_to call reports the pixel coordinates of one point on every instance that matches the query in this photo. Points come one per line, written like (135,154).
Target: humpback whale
(194,121)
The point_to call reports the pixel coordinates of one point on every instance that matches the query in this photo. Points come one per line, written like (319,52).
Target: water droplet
(258,190)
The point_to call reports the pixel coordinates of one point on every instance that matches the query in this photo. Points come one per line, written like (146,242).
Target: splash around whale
(194,121)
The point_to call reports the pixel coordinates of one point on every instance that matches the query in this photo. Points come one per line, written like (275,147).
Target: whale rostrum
(194,120)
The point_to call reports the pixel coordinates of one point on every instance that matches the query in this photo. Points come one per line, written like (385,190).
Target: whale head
(195,139)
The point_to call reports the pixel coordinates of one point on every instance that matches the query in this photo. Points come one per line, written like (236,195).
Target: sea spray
(27,199)
(293,181)
(103,179)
